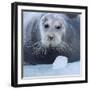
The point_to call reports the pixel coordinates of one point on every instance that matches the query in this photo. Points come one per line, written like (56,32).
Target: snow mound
(60,62)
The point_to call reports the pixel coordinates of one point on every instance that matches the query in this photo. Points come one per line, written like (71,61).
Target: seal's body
(50,35)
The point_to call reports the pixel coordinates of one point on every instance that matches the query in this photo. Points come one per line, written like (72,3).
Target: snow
(60,62)
(48,70)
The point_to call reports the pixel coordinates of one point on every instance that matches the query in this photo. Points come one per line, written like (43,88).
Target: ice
(71,69)
(60,62)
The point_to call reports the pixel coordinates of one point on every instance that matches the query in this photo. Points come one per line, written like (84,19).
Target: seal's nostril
(50,37)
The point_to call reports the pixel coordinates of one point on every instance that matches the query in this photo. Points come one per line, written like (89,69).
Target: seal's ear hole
(45,19)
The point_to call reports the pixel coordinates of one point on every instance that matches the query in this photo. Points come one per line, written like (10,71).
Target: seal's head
(52,29)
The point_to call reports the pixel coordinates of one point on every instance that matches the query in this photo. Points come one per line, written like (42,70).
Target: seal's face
(52,29)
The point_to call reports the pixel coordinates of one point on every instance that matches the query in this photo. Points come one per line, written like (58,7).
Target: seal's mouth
(52,44)
(51,47)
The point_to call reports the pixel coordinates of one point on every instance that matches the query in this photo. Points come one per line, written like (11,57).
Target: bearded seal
(49,35)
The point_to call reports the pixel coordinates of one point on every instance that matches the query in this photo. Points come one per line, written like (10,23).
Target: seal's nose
(50,38)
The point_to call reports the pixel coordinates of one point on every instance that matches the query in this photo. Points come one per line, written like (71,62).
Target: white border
(82,41)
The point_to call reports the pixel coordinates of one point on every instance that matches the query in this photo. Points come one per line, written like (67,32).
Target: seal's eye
(46,26)
(58,27)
